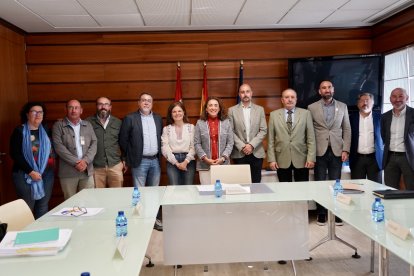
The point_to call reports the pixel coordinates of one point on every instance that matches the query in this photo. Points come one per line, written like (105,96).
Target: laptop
(394,194)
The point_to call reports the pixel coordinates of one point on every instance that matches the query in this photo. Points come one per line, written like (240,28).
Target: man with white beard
(109,167)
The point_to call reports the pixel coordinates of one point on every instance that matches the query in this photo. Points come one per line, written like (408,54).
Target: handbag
(3,230)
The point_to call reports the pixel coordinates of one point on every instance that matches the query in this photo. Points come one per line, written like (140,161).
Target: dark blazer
(131,138)
(379,145)
(408,134)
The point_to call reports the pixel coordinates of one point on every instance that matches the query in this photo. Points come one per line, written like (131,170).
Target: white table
(203,229)
(93,242)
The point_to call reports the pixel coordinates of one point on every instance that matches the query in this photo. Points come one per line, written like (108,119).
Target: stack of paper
(235,189)
(39,242)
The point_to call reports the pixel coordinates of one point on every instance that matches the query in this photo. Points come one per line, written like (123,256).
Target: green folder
(38,236)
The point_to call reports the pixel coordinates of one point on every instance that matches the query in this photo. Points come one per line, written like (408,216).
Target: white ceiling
(155,15)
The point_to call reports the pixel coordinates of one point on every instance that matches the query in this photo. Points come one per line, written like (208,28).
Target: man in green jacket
(108,164)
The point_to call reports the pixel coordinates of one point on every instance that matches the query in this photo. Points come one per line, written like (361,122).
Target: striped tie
(289,121)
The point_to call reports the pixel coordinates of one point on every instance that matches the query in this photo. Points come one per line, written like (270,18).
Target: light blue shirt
(76,129)
(149,133)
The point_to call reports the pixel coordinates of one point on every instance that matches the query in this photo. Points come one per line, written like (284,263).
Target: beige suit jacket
(258,130)
(337,135)
(296,148)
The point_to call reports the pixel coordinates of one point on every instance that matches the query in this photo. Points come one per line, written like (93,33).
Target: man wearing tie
(291,140)
(365,157)
(333,138)
(249,126)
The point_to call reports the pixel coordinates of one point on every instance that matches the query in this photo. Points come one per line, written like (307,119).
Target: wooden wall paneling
(262,87)
(152,71)
(394,33)
(291,49)
(70,54)
(197,36)
(13,94)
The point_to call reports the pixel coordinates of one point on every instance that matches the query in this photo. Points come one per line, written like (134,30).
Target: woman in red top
(213,138)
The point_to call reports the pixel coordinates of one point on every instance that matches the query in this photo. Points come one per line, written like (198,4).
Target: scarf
(37,187)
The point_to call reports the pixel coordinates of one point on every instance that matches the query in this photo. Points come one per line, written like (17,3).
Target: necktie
(289,121)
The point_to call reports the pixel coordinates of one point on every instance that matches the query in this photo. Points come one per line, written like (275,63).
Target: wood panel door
(13,94)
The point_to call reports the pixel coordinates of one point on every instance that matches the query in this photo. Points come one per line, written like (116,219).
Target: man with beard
(249,126)
(365,158)
(109,167)
(397,131)
(333,138)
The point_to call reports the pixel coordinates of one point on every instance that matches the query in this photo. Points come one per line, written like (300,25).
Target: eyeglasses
(146,100)
(76,211)
(35,113)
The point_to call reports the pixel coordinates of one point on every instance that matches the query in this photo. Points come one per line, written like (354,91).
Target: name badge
(397,229)
(82,140)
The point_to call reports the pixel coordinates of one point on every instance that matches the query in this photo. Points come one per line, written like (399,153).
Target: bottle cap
(377,199)
(85,274)
(120,213)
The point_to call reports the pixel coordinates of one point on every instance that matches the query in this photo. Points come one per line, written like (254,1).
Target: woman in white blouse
(178,146)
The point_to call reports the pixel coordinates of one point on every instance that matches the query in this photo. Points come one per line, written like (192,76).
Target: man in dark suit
(249,127)
(140,140)
(367,148)
(397,131)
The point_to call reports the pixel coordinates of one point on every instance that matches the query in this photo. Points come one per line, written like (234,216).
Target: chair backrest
(16,214)
(231,174)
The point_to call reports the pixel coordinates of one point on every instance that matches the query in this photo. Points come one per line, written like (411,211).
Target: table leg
(383,261)
(332,236)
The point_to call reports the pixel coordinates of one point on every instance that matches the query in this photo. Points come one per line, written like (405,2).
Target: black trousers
(285,175)
(255,166)
(365,166)
(396,165)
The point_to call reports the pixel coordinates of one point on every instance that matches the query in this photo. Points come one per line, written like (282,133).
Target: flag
(240,80)
(178,90)
(204,92)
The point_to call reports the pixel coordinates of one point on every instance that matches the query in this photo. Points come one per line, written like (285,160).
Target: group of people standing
(96,152)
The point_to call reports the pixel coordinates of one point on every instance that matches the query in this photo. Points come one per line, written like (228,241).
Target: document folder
(394,194)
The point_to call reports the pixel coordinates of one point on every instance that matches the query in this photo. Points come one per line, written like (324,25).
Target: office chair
(16,214)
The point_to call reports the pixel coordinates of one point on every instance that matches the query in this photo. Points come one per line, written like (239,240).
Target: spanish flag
(178,89)
(204,92)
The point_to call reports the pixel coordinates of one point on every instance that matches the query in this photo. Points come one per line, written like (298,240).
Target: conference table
(233,228)
(93,243)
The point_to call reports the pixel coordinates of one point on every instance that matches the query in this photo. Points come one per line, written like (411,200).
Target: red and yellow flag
(178,89)
(204,92)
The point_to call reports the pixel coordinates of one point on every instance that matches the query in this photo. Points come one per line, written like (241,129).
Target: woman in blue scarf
(31,151)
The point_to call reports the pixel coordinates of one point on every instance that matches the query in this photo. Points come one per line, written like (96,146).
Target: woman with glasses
(31,151)
(213,138)
(178,146)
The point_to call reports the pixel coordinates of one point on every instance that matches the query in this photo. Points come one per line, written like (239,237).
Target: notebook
(394,194)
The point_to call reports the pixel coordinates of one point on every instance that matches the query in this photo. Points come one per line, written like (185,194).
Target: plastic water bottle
(218,189)
(337,187)
(119,223)
(377,210)
(124,225)
(136,196)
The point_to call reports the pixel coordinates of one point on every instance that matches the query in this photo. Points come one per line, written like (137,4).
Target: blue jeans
(147,174)
(179,177)
(23,190)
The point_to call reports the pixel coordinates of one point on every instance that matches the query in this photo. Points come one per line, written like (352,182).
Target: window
(399,72)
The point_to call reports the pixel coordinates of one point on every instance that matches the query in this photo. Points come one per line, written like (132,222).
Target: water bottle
(136,195)
(218,189)
(124,225)
(119,223)
(377,210)
(337,187)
